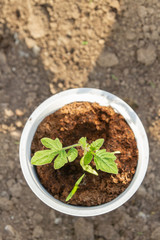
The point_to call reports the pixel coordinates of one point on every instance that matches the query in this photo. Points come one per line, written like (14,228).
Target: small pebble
(108,59)
(37,218)
(19,112)
(58,220)
(101,41)
(60,85)
(5,204)
(16,134)
(52,89)
(29,42)
(4,126)
(13,69)
(8,112)
(37,232)
(36,50)
(10,229)
(142,215)
(19,124)
(147,55)
(16,190)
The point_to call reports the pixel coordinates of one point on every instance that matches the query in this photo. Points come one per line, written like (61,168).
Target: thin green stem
(75,145)
(93,152)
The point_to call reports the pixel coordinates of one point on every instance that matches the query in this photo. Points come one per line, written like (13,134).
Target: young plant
(104,161)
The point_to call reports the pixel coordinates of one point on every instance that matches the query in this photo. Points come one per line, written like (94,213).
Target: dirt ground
(49,46)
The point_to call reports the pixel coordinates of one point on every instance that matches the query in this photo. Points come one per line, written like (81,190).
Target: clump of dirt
(93,121)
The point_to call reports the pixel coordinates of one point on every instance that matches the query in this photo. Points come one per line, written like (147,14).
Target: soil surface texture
(48,46)
(83,119)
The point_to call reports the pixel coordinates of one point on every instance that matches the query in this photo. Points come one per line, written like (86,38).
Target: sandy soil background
(49,46)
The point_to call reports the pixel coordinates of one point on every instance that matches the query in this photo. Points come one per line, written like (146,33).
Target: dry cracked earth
(48,46)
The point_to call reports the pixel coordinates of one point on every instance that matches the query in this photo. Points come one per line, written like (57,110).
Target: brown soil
(93,121)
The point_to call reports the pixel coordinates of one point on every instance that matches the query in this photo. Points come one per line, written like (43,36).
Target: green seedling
(104,161)
(114,77)
(76,186)
(84,43)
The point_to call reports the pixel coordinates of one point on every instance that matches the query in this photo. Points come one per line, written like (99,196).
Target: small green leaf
(87,158)
(97,144)
(109,155)
(70,195)
(83,141)
(53,144)
(84,43)
(74,188)
(82,161)
(105,161)
(79,180)
(89,169)
(72,154)
(60,160)
(43,157)
(114,77)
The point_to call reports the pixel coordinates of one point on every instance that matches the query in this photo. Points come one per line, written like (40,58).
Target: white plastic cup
(54,103)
